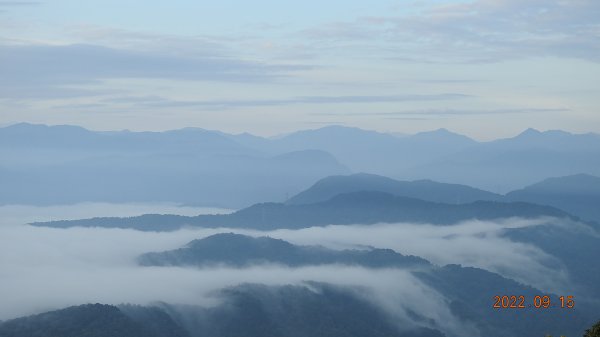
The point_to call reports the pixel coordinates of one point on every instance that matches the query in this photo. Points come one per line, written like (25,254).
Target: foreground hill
(247,310)
(92,320)
(452,301)
(314,309)
(351,208)
(328,310)
(240,250)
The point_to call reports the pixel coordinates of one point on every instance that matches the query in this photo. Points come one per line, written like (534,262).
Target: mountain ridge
(242,251)
(351,208)
(427,190)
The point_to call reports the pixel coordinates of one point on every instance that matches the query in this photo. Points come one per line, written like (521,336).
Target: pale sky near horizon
(484,68)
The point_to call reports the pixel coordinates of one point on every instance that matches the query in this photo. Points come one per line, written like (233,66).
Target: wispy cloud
(447,112)
(19,3)
(157,102)
(478,31)
(30,71)
(206,46)
(6,5)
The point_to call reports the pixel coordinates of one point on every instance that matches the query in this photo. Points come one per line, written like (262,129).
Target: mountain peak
(336,130)
(429,190)
(530,132)
(442,133)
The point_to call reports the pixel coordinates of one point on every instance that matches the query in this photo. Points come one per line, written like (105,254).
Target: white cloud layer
(46,268)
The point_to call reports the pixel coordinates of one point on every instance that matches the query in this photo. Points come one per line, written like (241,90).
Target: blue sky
(485,68)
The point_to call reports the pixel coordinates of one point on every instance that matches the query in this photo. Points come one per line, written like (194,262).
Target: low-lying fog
(21,214)
(45,268)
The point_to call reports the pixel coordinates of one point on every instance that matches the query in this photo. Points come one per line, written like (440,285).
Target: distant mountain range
(67,164)
(499,166)
(507,164)
(64,165)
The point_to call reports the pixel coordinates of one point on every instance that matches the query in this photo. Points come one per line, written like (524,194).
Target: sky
(484,68)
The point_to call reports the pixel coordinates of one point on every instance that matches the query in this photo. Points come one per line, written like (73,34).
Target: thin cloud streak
(49,71)
(155,102)
(448,112)
(481,31)
(19,3)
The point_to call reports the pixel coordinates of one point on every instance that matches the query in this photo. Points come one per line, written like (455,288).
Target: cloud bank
(44,268)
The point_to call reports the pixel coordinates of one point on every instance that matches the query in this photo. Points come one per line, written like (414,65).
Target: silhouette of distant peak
(534,133)
(43,127)
(336,130)
(430,190)
(580,183)
(530,131)
(442,134)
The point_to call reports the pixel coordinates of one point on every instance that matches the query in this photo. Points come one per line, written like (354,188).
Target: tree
(594,331)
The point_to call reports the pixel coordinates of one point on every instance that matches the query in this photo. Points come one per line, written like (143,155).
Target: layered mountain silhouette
(241,250)
(578,194)
(499,166)
(68,164)
(64,165)
(370,151)
(552,176)
(508,164)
